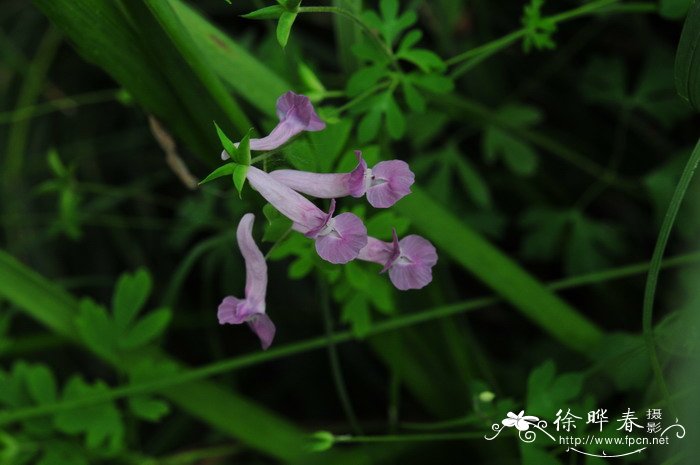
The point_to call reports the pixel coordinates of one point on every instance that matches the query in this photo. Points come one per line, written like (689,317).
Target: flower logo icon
(520,421)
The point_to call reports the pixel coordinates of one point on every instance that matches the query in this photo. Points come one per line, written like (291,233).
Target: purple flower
(296,114)
(384,185)
(409,261)
(250,310)
(338,239)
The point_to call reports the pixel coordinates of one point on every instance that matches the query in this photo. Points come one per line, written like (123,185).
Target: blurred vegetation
(547,139)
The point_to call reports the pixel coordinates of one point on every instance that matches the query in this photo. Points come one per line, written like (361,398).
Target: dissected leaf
(101,424)
(130,295)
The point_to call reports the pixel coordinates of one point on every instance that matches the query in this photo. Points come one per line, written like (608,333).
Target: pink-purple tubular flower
(251,309)
(338,239)
(384,185)
(408,261)
(296,114)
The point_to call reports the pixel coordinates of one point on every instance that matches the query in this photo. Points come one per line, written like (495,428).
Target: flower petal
(287,201)
(255,265)
(391,181)
(509,422)
(296,107)
(356,179)
(413,268)
(233,310)
(319,185)
(376,251)
(343,242)
(263,327)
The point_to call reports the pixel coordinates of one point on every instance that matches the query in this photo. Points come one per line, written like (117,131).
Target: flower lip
(298,107)
(395,252)
(356,181)
(326,223)
(384,184)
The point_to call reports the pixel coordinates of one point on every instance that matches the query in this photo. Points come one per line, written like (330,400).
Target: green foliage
(238,168)
(64,185)
(101,424)
(539,30)
(584,243)
(383,75)
(519,156)
(110,336)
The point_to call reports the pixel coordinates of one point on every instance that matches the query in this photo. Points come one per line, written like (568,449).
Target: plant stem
(256,358)
(65,103)
(412,437)
(480,53)
(338,378)
(655,267)
(357,20)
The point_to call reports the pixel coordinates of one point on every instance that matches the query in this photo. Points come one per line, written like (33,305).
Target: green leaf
(242,154)
(369,125)
(410,39)
(655,94)
(426,60)
(55,163)
(284,27)
(97,330)
(414,99)
(62,453)
(101,424)
(41,384)
(364,78)
(148,408)
(381,224)
(545,228)
(224,170)
(277,225)
(519,156)
(146,329)
(356,313)
(473,182)
(674,9)
(395,121)
(226,143)
(240,172)
(321,441)
(301,267)
(130,295)
(589,245)
(268,12)
(547,392)
(687,66)
(432,82)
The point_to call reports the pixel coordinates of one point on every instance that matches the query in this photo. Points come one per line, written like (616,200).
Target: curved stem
(357,20)
(655,266)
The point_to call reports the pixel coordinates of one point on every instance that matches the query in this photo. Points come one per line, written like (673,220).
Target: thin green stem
(66,103)
(338,378)
(480,53)
(265,156)
(255,358)
(412,437)
(655,267)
